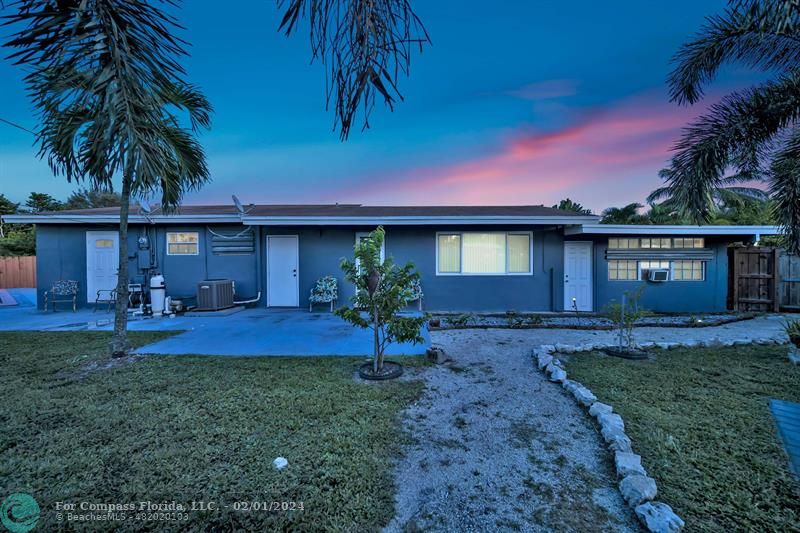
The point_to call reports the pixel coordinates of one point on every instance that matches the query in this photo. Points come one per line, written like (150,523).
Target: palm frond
(739,35)
(365,46)
(785,191)
(736,132)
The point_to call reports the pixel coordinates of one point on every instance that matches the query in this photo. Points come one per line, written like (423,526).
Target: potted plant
(624,315)
(792,328)
(383,290)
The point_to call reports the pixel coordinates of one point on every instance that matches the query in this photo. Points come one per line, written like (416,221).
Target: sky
(514,102)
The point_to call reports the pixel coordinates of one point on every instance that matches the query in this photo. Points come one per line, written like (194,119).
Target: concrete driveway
(250,332)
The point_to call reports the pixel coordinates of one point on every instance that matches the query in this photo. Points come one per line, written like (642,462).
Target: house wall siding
(670,296)
(61,254)
(321,251)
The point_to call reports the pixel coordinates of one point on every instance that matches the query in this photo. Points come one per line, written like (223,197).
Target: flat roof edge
(299,220)
(672,229)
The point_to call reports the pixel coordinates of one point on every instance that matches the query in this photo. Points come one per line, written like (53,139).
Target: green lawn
(197,428)
(700,420)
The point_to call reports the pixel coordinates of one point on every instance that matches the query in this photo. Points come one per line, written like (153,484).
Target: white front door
(578,276)
(282,271)
(102,262)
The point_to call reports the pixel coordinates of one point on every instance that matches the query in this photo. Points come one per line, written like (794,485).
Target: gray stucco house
(471,258)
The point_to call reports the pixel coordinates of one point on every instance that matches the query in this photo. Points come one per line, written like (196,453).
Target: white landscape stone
(600,408)
(280,463)
(558,375)
(543,360)
(584,396)
(609,420)
(637,489)
(628,464)
(617,440)
(659,518)
(570,385)
(794,355)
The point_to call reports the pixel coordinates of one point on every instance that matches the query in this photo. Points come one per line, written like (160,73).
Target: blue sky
(521,104)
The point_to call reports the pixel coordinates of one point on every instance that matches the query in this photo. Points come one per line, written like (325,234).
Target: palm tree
(664,213)
(568,205)
(105,77)
(628,214)
(750,135)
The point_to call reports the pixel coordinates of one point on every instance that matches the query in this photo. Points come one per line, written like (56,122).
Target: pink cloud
(610,157)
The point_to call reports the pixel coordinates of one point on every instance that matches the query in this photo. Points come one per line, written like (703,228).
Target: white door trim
(296,277)
(91,237)
(590,292)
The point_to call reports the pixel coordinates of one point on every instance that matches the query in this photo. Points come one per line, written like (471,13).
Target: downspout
(259,262)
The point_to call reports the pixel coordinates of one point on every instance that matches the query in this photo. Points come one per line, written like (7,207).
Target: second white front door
(102,263)
(282,271)
(578,276)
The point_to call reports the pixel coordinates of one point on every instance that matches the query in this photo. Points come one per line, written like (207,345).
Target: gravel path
(496,446)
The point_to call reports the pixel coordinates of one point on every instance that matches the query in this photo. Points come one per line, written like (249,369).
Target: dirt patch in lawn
(493,445)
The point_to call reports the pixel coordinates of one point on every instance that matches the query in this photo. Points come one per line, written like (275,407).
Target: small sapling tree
(624,315)
(383,290)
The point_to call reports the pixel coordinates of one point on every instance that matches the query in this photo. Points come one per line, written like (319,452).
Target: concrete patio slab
(251,332)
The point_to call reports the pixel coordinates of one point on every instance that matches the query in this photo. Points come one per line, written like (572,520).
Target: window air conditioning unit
(214,294)
(658,275)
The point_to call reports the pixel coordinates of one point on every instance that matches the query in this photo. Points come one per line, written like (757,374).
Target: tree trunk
(119,342)
(378,355)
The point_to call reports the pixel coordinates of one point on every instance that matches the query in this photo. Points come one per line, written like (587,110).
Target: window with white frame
(690,242)
(183,243)
(626,243)
(685,270)
(657,243)
(622,269)
(623,243)
(489,253)
(632,270)
(646,266)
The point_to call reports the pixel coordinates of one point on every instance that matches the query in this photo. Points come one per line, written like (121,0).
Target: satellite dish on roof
(145,210)
(144,207)
(239,206)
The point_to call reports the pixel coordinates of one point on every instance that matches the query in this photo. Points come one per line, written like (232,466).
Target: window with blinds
(490,253)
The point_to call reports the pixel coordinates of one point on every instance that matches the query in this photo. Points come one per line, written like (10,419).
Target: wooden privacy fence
(16,272)
(789,291)
(754,279)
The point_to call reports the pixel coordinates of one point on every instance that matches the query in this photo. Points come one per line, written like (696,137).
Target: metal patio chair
(106,296)
(325,291)
(64,291)
(415,293)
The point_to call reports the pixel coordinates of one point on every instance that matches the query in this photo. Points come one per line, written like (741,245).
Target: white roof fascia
(652,229)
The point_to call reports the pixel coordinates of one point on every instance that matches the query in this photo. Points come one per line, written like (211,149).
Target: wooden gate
(789,269)
(755,279)
(17,272)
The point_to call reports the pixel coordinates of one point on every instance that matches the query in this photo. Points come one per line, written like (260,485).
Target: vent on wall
(232,241)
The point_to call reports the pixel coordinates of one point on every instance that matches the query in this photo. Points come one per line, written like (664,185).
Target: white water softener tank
(158,294)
